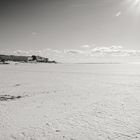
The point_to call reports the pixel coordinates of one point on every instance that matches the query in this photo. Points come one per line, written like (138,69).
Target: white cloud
(85,46)
(73,51)
(21,52)
(118,14)
(96,51)
(115,51)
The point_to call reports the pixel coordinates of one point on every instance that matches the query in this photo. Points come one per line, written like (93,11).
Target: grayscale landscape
(69,69)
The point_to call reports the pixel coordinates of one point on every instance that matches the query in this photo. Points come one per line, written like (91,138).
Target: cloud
(21,52)
(118,14)
(114,51)
(96,51)
(85,46)
(106,49)
(73,51)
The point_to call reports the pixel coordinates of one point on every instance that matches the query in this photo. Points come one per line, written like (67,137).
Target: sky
(71,30)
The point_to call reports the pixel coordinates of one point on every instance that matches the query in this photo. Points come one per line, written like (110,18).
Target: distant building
(39,59)
(4,58)
(19,58)
(30,58)
(13,58)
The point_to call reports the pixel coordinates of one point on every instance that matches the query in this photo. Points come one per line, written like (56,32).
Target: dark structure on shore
(39,59)
(4,58)
(32,58)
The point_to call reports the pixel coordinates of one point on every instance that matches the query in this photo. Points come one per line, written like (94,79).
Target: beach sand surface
(70,102)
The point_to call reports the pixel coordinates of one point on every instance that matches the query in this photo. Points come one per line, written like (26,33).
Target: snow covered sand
(70,102)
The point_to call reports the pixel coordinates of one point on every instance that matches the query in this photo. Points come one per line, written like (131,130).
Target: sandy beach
(70,102)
